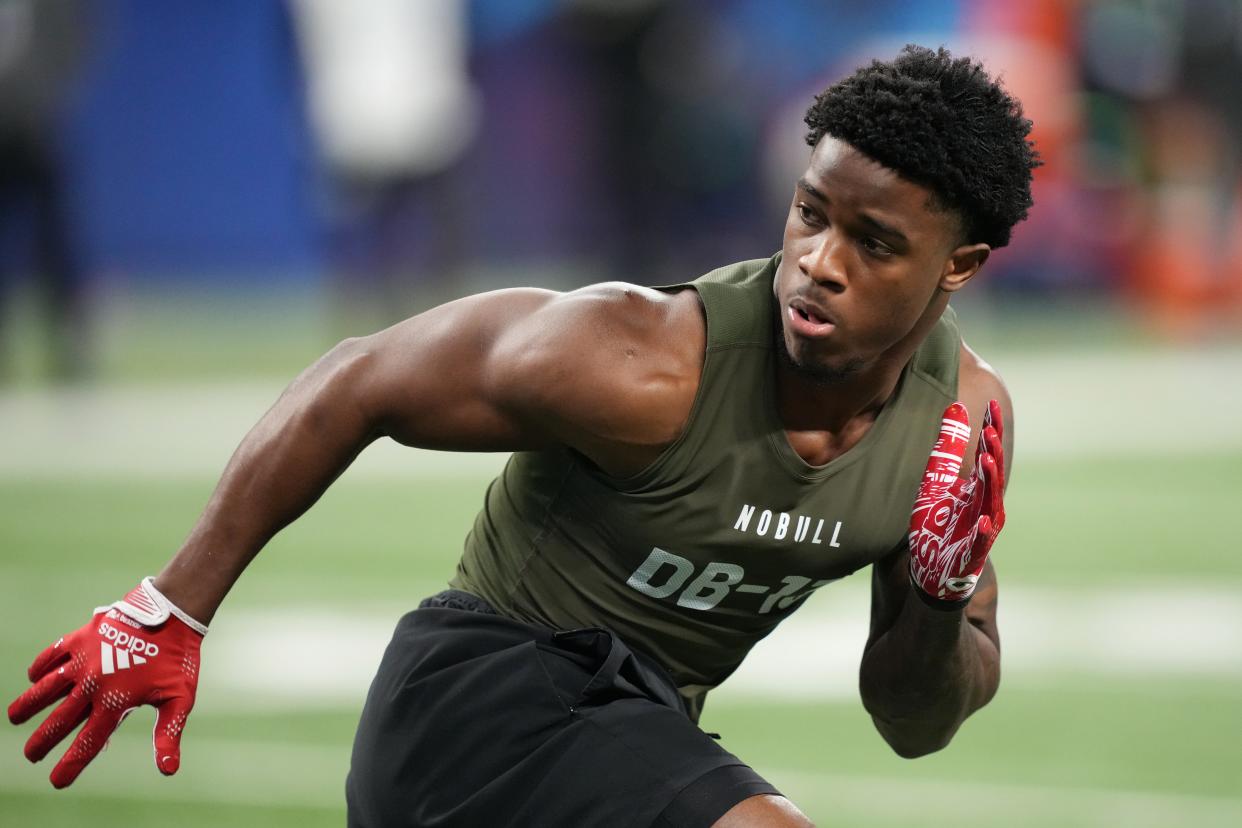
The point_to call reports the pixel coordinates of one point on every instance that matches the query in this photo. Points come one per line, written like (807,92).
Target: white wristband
(148,606)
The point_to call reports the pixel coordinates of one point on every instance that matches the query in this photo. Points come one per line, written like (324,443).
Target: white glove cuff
(148,606)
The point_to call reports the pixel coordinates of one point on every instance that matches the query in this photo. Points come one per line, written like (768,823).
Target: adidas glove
(955,521)
(140,650)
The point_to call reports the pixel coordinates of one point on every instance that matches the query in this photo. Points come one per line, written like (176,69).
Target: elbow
(911,741)
(924,720)
(913,728)
(914,748)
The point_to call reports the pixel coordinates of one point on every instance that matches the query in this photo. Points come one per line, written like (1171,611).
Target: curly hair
(943,123)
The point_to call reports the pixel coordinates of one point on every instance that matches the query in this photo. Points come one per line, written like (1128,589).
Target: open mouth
(807,322)
(810,317)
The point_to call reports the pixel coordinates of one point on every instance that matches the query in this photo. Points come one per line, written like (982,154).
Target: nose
(824,261)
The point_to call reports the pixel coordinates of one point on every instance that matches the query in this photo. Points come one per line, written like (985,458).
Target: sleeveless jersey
(700,555)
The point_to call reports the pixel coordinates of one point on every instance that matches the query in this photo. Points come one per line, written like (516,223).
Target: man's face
(864,253)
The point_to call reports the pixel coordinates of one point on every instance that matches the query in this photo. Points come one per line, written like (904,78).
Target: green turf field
(1121,613)
(1068,749)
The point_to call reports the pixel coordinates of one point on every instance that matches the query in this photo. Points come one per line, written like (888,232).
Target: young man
(690,464)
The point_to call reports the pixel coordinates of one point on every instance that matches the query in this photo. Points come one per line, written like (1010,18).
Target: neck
(807,404)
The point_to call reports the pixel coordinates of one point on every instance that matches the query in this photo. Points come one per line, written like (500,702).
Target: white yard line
(325,656)
(1046,635)
(957,801)
(171,431)
(1162,402)
(1068,404)
(213,771)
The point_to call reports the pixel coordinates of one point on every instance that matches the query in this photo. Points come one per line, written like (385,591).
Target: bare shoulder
(612,368)
(978,382)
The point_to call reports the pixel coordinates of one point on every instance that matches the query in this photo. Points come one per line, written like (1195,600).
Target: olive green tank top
(703,553)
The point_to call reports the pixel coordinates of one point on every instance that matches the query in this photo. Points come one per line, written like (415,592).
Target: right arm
(425,381)
(609,371)
(501,371)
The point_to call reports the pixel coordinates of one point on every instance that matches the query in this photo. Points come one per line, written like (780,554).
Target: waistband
(459,600)
(615,665)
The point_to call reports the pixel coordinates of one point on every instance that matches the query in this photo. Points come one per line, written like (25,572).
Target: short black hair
(943,123)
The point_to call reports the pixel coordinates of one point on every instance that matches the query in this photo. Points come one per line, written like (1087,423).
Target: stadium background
(200,198)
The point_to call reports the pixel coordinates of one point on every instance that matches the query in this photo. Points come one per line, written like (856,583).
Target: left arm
(925,670)
(930,661)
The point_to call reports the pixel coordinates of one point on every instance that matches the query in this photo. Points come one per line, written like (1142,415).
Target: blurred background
(198,199)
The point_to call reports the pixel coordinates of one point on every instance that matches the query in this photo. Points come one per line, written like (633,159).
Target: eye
(807,214)
(876,247)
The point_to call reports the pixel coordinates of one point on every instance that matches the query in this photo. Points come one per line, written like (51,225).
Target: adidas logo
(114,658)
(124,651)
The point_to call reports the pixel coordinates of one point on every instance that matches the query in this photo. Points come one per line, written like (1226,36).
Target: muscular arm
(508,370)
(608,370)
(924,671)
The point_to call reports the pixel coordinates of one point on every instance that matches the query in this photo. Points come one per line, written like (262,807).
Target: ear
(963,263)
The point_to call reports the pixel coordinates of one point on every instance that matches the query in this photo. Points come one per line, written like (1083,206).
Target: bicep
(526,369)
(979,382)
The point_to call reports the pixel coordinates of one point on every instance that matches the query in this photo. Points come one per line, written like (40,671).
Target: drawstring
(607,675)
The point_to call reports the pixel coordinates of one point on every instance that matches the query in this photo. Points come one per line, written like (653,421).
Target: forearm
(282,466)
(926,674)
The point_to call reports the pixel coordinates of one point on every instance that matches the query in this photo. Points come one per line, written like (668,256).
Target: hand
(140,650)
(955,521)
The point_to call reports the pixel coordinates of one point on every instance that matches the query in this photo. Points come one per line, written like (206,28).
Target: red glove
(955,521)
(141,650)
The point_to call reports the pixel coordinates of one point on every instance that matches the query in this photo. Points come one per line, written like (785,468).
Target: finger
(85,747)
(45,691)
(57,726)
(982,545)
(945,460)
(47,659)
(996,496)
(991,421)
(996,448)
(971,496)
(985,472)
(993,418)
(169,725)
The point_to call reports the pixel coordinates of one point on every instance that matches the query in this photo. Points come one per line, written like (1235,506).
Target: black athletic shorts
(475,719)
